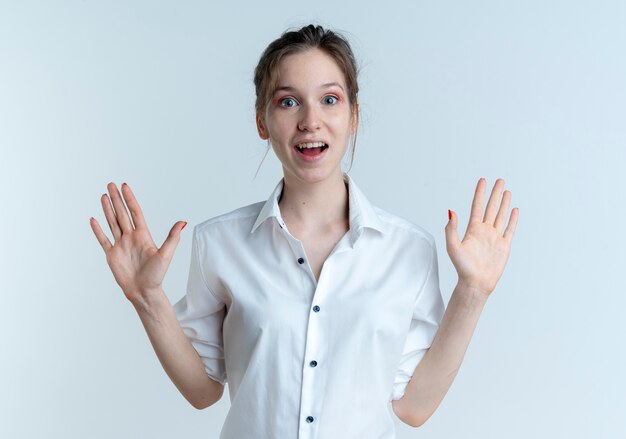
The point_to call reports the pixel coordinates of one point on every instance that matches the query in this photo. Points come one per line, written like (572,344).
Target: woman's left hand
(480,258)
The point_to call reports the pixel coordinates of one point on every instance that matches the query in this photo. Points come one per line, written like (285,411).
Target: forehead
(311,68)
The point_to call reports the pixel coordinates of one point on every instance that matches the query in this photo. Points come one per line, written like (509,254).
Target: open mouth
(311,149)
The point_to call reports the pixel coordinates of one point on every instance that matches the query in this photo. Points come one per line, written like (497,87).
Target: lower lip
(311,158)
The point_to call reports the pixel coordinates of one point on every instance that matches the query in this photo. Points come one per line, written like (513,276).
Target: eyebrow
(290,88)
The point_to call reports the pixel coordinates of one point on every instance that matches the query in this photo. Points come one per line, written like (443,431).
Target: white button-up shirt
(307,359)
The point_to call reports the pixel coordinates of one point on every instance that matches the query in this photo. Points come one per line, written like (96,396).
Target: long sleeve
(201,315)
(428,312)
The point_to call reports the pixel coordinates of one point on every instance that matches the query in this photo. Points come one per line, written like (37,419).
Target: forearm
(176,353)
(435,373)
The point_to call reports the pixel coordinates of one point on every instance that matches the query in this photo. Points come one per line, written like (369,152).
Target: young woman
(318,308)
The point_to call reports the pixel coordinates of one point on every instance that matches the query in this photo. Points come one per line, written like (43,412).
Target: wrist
(471,292)
(149,301)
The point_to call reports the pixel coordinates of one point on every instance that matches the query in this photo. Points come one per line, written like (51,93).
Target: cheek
(342,124)
(281,125)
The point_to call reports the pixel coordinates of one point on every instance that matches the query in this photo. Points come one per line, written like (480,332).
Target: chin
(314,175)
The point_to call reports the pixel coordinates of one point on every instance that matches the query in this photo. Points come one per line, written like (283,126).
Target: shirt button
(316,308)
(309,419)
(300,261)
(313,363)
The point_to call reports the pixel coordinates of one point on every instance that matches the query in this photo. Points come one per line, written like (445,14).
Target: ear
(260,126)
(355,117)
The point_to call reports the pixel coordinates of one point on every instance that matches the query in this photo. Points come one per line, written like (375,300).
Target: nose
(309,119)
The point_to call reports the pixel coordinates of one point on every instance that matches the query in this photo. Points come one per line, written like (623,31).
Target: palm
(137,264)
(481,256)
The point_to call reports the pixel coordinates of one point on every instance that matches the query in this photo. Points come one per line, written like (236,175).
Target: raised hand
(482,255)
(137,264)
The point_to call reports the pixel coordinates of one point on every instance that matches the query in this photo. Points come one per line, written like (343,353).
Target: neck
(315,206)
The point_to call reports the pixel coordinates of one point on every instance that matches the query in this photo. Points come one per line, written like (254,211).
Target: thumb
(172,240)
(452,236)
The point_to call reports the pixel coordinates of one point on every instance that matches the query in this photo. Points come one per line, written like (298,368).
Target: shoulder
(397,225)
(239,218)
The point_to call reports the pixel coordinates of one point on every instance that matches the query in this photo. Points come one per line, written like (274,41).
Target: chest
(319,246)
(367,290)
(359,295)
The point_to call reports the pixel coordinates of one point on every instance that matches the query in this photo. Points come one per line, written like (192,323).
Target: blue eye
(331,97)
(287,100)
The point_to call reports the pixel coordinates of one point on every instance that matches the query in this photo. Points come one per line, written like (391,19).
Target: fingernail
(184,225)
(124,184)
(449,214)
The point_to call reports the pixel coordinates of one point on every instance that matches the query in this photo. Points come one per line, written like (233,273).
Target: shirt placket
(314,371)
(315,365)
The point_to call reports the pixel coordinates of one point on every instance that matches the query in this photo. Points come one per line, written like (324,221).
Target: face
(310,104)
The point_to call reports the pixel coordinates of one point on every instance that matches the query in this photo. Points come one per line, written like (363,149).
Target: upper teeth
(311,145)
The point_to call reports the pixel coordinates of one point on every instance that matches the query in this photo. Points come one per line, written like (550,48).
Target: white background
(160,95)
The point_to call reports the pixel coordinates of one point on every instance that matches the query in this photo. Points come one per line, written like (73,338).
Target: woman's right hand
(137,264)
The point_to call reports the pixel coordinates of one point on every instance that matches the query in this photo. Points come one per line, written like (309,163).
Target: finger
(494,201)
(452,235)
(172,240)
(133,206)
(477,203)
(100,236)
(510,230)
(120,209)
(504,208)
(109,214)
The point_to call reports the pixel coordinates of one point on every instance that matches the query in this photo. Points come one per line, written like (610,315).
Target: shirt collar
(362,214)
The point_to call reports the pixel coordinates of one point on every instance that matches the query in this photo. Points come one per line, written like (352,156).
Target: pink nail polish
(184,225)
